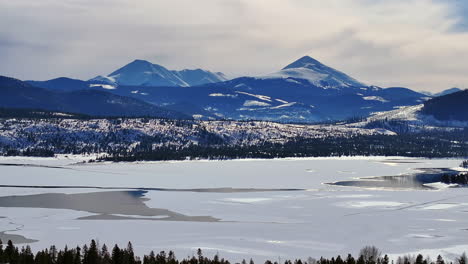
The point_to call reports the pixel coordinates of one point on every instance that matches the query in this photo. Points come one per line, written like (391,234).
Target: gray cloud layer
(414,43)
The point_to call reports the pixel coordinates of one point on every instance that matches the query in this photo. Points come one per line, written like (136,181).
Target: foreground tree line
(93,254)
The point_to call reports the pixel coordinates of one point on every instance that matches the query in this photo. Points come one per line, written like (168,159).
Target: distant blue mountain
(449,107)
(18,94)
(61,84)
(448,91)
(444,92)
(145,73)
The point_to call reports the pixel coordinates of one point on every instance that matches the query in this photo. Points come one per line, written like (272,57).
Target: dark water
(411,181)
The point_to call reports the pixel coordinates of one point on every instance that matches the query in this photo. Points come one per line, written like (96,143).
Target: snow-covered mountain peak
(141,72)
(304,62)
(316,73)
(140,66)
(144,73)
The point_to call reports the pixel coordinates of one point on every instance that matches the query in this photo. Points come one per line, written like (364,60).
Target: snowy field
(243,208)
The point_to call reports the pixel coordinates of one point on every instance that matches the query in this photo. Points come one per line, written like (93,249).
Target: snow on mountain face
(106,80)
(144,73)
(316,73)
(199,76)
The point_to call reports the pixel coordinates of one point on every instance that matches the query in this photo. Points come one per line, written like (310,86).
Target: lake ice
(243,208)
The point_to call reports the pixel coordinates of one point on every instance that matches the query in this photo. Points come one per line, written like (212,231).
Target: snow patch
(258,96)
(284,105)
(222,95)
(375,98)
(104,86)
(255,103)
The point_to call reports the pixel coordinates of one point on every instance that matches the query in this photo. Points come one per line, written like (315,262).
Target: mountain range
(19,94)
(305,90)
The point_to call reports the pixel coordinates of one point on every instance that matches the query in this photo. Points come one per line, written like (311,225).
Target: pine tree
(9,252)
(419,259)
(200,256)
(463,259)
(1,252)
(116,255)
(385,259)
(361,260)
(77,257)
(92,256)
(105,256)
(440,260)
(339,260)
(171,258)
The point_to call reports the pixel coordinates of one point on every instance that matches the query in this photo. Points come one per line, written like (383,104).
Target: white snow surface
(299,73)
(255,103)
(16,132)
(222,95)
(318,220)
(375,98)
(258,96)
(413,117)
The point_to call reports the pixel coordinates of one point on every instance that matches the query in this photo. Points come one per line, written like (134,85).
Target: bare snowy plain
(264,209)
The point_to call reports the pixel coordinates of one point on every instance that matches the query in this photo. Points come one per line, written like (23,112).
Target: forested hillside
(448,107)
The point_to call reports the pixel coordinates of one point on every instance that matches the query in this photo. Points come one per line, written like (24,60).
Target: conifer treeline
(123,144)
(430,145)
(464,164)
(461,178)
(93,254)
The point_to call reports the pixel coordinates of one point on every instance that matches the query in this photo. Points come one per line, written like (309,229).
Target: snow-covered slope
(200,76)
(104,135)
(407,118)
(316,73)
(125,133)
(145,73)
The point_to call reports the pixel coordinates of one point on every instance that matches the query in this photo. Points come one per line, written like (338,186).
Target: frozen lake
(243,208)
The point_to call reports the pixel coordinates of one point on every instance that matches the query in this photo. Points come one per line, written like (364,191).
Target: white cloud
(384,42)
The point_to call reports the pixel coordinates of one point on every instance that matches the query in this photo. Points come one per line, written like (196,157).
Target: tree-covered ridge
(448,107)
(430,145)
(94,254)
(162,139)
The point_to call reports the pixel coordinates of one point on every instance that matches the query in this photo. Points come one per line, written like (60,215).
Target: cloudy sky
(421,44)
